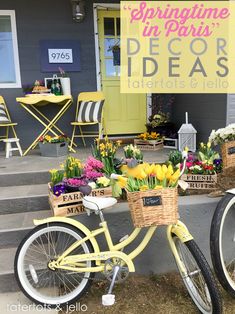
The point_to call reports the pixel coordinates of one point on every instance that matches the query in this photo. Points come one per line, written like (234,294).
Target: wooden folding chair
(5,120)
(88,105)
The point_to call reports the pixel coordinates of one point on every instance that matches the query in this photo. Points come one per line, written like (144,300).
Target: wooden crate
(146,145)
(200,181)
(70,204)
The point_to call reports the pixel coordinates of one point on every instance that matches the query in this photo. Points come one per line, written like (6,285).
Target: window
(9,57)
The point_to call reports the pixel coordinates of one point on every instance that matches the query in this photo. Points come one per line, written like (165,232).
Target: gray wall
(37,20)
(206,112)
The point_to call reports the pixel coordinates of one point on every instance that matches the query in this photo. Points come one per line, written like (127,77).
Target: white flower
(92,185)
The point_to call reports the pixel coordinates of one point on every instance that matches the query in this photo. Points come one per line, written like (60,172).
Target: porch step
(24,178)
(13,227)
(7,277)
(25,198)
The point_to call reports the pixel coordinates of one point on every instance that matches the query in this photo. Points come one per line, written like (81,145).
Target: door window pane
(108,44)
(109,29)
(110,68)
(7,65)
(118,26)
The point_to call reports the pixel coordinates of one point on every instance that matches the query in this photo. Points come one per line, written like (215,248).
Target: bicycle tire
(203,268)
(216,231)
(18,260)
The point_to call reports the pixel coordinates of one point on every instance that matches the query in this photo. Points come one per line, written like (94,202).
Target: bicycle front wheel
(197,277)
(37,281)
(222,242)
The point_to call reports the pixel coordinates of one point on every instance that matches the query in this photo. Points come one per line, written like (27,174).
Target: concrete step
(13,227)
(25,198)
(24,178)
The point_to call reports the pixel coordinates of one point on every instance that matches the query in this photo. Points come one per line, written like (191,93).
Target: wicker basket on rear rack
(153,207)
(228,154)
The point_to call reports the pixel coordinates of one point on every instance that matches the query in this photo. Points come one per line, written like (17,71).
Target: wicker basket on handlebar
(153,207)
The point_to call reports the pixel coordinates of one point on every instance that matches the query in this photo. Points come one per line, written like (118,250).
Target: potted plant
(116,54)
(152,137)
(132,151)
(152,194)
(77,184)
(65,82)
(202,168)
(105,151)
(53,146)
(225,137)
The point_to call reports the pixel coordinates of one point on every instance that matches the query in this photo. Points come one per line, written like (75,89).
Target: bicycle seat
(98,203)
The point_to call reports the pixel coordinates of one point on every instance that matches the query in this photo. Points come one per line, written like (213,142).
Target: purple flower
(217,162)
(59,189)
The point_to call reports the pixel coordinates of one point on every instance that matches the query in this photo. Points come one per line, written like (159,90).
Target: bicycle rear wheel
(222,242)
(37,281)
(198,278)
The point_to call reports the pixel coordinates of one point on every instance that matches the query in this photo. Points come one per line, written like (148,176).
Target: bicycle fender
(231,191)
(72,222)
(181,231)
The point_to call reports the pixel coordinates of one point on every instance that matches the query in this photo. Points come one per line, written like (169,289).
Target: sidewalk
(16,302)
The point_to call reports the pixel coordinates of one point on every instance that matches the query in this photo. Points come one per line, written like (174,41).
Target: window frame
(17,84)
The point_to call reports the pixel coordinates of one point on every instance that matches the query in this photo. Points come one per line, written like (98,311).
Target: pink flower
(93,175)
(189,164)
(93,163)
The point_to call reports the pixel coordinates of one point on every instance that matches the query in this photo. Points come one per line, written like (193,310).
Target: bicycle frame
(77,263)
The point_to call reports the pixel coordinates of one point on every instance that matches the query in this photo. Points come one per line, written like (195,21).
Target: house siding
(230,117)
(40,20)
(206,112)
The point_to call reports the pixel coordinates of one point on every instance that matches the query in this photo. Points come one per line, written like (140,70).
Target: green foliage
(175,157)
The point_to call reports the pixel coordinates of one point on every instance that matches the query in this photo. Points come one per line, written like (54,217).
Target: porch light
(78,9)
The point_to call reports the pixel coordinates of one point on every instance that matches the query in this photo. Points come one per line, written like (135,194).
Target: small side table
(10,149)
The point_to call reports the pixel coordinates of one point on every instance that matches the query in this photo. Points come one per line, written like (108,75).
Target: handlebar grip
(184,154)
(115,176)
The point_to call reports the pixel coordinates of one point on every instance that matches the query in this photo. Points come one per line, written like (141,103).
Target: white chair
(10,149)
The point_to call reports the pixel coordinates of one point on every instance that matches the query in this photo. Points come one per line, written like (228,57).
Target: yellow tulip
(160,175)
(169,173)
(144,188)
(149,169)
(209,145)
(122,181)
(141,175)
(156,169)
(157,187)
(164,169)
(175,176)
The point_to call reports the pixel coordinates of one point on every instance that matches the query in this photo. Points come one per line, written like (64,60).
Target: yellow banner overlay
(178,46)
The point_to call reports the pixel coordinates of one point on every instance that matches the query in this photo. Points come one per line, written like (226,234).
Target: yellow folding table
(33,103)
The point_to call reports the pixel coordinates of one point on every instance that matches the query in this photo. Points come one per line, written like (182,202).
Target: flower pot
(116,57)
(66,85)
(72,188)
(153,141)
(53,149)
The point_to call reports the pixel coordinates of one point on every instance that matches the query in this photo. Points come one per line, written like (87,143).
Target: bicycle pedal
(108,299)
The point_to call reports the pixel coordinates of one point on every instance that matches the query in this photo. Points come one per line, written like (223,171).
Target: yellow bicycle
(56,262)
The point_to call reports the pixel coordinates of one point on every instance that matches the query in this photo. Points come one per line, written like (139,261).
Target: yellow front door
(124,113)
